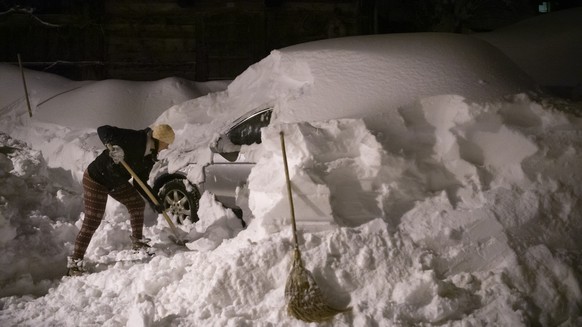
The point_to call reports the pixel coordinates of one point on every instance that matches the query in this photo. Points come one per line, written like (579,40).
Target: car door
(229,168)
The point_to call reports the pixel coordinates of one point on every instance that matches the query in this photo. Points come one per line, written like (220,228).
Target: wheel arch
(164,178)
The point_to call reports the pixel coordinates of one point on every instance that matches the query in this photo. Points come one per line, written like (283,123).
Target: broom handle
(150,195)
(282,135)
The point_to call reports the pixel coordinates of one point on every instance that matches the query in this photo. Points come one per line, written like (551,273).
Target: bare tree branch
(30,12)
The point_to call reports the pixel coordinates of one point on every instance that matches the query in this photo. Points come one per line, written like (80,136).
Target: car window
(249,131)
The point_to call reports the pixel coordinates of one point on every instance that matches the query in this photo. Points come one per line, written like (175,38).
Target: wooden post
(25,89)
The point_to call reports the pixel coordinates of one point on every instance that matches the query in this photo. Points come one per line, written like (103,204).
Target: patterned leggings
(95,200)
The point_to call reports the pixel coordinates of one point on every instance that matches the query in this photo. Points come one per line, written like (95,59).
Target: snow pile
(34,220)
(333,166)
(428,193)
(485,199)
(146,100)
(60,101)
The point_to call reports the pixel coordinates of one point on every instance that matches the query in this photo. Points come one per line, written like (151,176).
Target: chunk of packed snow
(456,204)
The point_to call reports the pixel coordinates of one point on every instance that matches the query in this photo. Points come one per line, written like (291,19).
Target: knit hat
(163,133)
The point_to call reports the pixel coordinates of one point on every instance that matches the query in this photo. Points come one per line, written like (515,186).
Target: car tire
(179,201)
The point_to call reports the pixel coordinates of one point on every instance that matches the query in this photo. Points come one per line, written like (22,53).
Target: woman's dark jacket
(133,142)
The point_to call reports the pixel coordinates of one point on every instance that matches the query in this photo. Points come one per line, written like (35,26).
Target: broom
(304,298)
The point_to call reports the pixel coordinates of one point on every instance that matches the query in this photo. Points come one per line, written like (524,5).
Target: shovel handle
(149,193)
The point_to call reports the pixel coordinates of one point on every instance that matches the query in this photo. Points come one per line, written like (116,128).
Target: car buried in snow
(388,76)
(223,175)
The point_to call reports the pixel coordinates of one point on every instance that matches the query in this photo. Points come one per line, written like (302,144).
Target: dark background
(218,39)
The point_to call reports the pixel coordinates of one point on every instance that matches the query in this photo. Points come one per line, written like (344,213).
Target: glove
(116,153)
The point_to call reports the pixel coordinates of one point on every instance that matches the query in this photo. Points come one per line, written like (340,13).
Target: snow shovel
(304,298)
(178,240)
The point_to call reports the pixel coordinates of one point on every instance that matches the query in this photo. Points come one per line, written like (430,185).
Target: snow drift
(445,204)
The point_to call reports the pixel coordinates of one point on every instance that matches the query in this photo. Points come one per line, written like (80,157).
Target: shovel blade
(176,240)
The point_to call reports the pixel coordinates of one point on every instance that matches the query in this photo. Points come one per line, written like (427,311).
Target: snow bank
(420,203)
(143,100)
(35,217)
(41,87)
(60,101)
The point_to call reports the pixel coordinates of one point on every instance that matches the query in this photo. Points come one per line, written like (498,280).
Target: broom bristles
(305,300)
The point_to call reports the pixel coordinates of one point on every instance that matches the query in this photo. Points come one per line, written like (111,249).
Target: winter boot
(141,245)
(76,267)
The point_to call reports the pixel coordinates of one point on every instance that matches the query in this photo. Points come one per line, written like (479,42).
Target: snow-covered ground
(452,185)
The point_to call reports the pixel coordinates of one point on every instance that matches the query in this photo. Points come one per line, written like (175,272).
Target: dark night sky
(392,14)
(368,17)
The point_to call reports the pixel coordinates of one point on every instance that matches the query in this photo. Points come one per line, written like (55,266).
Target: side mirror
(214,145)
(224,147)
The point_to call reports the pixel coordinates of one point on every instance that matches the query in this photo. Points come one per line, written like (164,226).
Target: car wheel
(179,201)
